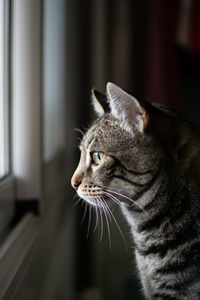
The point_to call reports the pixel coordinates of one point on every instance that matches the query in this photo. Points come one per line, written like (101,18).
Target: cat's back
(184,140)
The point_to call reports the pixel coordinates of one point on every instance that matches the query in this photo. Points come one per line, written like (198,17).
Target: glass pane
(54,78)
(4,50)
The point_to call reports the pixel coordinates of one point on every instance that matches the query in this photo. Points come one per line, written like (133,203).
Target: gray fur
(151,155)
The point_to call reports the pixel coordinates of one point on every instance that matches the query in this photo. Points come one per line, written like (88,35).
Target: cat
(144,157)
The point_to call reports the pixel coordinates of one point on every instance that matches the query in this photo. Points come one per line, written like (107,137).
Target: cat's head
(123,150)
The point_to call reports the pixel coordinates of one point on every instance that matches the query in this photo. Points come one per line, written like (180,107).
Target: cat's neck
(150,202)
(168,198)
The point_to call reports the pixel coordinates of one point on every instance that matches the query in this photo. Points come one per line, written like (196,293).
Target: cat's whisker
(84,214)
(101,221)
(106,217)
(97,218)
(75,196)
(126,197)
(122,235)
(113,198)
(79,130)
(77,201)
(89,221)
(108,213)
(101,218)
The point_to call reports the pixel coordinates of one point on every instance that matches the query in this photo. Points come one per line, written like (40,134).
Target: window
(4,87)
(6,178)
(38,159)
(54,78)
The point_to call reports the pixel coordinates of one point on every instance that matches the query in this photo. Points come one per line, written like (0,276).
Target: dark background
(151,49)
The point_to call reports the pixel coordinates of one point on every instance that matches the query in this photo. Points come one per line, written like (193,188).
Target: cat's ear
(100,103)
(126,108)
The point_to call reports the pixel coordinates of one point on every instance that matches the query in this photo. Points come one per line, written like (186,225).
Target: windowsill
(16,254)
(6,202)
(31,238)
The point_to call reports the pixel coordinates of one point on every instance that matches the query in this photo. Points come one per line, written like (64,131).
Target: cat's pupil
(96,157)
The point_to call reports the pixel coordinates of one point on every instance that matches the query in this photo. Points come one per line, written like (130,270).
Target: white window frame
(6,182)
(25,242)
(19,241)
(4,86)
(24,58)
(26,98)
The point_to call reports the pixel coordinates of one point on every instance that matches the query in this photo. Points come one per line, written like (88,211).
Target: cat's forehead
(106,133)
(101,127)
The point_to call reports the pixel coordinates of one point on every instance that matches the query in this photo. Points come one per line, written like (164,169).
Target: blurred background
(151,49)
(54,52)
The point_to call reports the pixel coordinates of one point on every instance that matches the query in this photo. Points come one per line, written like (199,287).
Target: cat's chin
(87,199)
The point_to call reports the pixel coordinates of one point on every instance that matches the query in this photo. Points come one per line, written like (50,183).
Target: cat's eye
(97,157)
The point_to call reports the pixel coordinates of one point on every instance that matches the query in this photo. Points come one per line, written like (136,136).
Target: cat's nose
(75,183)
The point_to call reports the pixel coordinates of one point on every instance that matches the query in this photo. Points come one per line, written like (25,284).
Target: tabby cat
(145,158)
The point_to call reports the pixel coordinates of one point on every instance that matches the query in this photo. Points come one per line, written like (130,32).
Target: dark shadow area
(151,49)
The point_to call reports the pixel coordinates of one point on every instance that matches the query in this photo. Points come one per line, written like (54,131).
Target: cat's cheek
(122,188)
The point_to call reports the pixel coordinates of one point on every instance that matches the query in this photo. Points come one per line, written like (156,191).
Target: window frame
(26,99)
(7,181)
(5,35)
(37,181)
(23,181)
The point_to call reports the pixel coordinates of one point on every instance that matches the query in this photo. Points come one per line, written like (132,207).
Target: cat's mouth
(107,198)
(97,200)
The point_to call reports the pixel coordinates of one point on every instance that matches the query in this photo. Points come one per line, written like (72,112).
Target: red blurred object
(162,69)
(195,36)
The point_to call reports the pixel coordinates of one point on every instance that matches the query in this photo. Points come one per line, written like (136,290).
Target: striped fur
(150,168)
